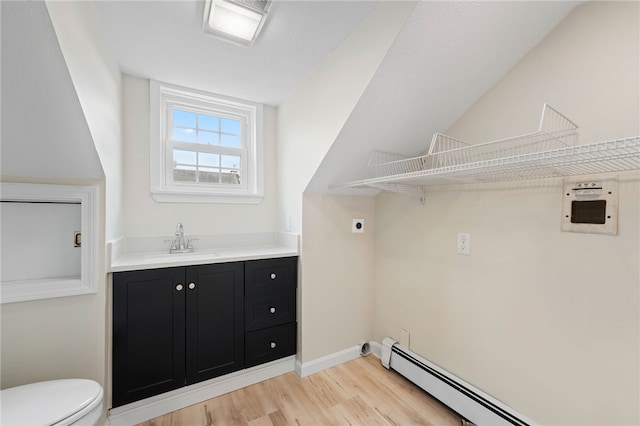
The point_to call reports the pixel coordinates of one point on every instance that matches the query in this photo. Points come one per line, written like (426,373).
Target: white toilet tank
(63,402)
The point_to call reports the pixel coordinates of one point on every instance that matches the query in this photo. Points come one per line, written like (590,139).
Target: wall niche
(49,241)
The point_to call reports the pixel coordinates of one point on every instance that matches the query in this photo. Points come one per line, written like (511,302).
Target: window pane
(230,126)
(230,177)
(184,169)
(210,160)
(184,118)
(208,122)
(230,161)
(230,140)
(208,138)
(183,158)
(209,175)
(184,135)
(184,175)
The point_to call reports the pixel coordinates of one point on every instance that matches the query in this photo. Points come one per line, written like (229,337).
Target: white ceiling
(446,56)
(163,40)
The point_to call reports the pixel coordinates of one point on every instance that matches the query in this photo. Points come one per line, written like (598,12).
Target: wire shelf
(549,152)
(555,131)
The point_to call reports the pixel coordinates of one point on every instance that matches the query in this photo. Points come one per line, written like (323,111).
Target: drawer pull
(179,287)
(273,276)
(272,310)
(273,345)
(192,286)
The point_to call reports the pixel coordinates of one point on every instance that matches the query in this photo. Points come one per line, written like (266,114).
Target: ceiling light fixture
(237,21)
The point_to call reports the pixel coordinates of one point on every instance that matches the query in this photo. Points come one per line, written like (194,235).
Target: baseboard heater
(468,401)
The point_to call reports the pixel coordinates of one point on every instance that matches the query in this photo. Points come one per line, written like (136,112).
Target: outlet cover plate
(464,244)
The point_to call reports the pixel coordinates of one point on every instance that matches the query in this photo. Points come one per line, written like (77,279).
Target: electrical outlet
(464,244)
(357,226)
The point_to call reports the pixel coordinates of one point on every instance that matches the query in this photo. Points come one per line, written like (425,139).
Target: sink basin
(200,254)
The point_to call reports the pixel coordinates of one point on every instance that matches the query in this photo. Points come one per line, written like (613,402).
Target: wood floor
(359,392)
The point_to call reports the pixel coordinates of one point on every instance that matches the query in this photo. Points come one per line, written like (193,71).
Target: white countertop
(143,252)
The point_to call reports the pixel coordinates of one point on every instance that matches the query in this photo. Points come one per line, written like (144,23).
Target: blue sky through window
(208,129)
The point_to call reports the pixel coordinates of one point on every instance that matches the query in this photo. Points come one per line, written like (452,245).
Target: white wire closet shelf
(549,152)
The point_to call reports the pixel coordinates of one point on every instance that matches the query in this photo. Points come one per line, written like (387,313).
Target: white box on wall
(39,257)
(38,240)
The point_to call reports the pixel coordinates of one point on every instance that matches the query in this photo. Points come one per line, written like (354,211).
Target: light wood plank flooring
(358,392)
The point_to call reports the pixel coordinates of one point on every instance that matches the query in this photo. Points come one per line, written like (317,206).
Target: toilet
(76,402)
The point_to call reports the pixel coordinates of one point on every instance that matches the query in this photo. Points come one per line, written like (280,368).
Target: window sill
(173,197)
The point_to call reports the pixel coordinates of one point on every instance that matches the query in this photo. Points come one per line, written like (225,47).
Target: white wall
(331,293)
(144,216)
(55,338)
(64,337)
(98,83)
(311,118)
(546,321)
(336,292)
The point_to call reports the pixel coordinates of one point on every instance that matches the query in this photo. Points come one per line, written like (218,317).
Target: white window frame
(162,98)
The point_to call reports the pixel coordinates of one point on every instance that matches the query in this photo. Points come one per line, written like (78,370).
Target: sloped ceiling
(447,55)
(44,131)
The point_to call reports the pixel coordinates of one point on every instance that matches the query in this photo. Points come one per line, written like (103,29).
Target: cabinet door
(148,333)
(215,320)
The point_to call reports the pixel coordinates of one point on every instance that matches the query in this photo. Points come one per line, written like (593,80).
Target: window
(204,147)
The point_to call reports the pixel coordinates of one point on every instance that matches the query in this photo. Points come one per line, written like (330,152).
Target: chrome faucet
(180,236)
(179,245)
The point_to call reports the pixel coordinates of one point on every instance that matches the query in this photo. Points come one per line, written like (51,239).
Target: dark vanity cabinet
(177,326)
(270,310)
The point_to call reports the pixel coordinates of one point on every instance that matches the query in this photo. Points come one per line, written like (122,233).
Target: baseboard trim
(331,360)
(159,405)
(376,348)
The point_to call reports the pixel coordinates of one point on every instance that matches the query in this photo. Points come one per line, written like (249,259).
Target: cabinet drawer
(269,344)
(268,311)
(270,275)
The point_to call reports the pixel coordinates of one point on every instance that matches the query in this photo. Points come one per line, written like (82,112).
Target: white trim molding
(45,288)
(162,98)
(328,361)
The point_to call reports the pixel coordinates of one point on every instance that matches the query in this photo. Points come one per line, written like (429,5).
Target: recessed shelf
(46,279)
(546,153)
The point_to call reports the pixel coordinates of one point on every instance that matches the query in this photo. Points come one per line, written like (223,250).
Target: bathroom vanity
(174,326)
